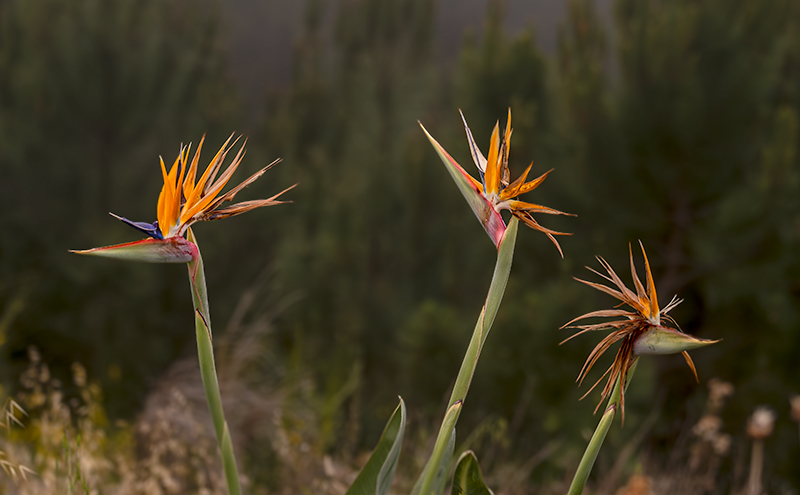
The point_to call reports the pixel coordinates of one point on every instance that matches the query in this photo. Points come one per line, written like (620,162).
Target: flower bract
(495,192)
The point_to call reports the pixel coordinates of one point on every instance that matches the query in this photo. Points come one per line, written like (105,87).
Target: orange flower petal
(530,186)
(651,286)
(492,175)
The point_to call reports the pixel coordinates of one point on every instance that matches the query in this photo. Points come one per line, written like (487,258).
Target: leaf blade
(468,479)
(377,474)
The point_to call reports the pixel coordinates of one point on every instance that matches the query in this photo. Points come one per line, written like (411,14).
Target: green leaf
(468,479)
(377,475)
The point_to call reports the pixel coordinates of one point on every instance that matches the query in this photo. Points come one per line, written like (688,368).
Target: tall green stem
(205,353)
(432,478)
(590,455)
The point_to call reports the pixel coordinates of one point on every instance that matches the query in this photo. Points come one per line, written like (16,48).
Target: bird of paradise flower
(183,201)
(494,192)
(639,328)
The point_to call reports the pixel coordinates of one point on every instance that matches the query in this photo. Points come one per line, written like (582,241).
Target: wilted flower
(718,391)
(722,444)
(495,192)
(795,404)
(761,423)
(183,201)
(640,329)
(708,427)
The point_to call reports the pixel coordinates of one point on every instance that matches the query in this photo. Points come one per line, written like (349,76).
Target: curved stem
(205,353)
(590,455)
(433,474)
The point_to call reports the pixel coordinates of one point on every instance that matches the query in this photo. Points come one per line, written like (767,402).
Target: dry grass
(171,447)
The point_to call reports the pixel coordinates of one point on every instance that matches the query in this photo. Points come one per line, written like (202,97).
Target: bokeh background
(670,122)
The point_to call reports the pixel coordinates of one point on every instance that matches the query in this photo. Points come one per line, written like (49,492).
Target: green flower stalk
(487,198)
(599,435)
(185,200)
(641,331)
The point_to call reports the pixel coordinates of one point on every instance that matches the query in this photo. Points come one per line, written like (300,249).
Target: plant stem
(205,353)
(497,288)
(756,466)
(590,455)
(431,476)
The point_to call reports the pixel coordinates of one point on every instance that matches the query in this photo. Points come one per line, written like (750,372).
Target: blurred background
(671,122)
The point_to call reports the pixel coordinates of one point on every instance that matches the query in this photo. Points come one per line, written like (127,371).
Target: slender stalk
(443,447)
(756,467)
(497,288)
(590,455)
(205,353)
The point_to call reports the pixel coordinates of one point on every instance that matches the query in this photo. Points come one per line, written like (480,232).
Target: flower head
(794,402)
(495,192)
(761,423)
(639,328)
(185,200)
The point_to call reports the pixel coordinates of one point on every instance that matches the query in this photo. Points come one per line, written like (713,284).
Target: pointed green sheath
(468,479)
(433,477)
(663,340)
(172,250)
(489,217)
(197,280)
(377,475)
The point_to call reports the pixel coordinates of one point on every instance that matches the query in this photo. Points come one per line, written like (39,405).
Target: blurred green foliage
(90,92)
(678,126)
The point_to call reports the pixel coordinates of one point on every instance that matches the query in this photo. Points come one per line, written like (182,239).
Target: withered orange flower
(639,328)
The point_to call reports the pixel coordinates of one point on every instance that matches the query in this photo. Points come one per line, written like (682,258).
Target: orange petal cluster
(185,200)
